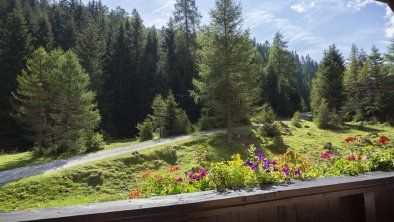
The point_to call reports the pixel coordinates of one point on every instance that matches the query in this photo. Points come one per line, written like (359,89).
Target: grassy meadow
(113,178)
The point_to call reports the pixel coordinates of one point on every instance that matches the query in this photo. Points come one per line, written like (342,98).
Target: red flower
(383,140)
(350,139)
(146,174)
(359,157)
(174,169)
(325,155)
(134,194)
(351,157)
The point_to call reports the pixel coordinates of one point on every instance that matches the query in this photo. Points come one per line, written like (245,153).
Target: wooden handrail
(352,198)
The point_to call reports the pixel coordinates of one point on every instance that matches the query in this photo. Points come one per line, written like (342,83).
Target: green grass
(12,161)
(113,178)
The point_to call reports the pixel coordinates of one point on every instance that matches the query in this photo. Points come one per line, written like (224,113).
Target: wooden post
(369,204)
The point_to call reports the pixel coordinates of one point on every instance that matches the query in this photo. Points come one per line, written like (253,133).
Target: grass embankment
(112,179)
(12,161)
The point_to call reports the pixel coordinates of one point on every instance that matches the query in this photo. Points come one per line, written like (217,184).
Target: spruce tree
(55,103)
(227,79)
(327,85)
(187,18)
(15,48)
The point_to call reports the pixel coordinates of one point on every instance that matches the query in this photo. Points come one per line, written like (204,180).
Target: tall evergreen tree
(227,79)
(187,18)
(55,103)
(281,64)
(328,82)
(15,48)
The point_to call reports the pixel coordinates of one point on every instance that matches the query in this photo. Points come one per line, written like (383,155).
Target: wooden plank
(248,216)
(369,205)
(225,217)
(268,214)
(384,203)
(288,213)
(335,210)
(321,210)
(305,211)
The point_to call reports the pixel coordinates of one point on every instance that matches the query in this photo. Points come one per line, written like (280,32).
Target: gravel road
(22,172)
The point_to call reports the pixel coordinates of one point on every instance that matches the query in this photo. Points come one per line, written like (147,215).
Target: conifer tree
(187,18)
(227,79)
(327,85)
(55,103)
(15,48)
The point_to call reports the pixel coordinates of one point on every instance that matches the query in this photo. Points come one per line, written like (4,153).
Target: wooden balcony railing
(368,197)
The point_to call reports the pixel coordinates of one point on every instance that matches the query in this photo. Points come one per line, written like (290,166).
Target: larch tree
(227,79)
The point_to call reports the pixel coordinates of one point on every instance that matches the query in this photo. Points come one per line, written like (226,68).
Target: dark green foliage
(327,86)
(55,104)
(15,48)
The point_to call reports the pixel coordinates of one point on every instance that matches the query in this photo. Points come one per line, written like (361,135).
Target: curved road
(22,172)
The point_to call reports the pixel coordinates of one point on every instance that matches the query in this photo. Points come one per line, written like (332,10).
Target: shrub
(323,115)
(95,142)
(182,123)
(266,117)
(296,120)
(145,130)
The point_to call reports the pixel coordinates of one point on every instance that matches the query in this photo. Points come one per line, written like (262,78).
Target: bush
(182,123)
(323,115)
(95,142)
(296,120)
(207,122)
(145,130)
(266,117)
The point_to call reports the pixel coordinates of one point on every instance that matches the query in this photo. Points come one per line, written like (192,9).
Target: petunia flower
(248,163)
(286,171)
(258,149)
(297,172)
(261,157)
(247,144)
(179,179)
(255,166)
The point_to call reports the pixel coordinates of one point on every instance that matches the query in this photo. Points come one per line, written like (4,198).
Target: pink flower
(325,155)
(179,179)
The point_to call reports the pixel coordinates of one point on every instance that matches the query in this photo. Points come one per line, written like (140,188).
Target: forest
(74,75)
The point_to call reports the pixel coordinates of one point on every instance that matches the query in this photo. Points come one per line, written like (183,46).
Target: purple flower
(286,171)
(247,144)
(248,163)
(297,172)
(274,163)
(267,164)
(258,149)
(255,166)
(179,179)
(261,157)
(193,176)
(203,173)
(275,169)
(368,156)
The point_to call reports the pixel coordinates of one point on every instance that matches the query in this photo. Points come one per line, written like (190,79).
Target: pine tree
(227,79)
(15,48)
(327,85)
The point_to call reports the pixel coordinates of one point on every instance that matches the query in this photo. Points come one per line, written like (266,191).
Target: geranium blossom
(383,140)
(350,139)
(351,157)
(174,169)
(325,155)
(179,179)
